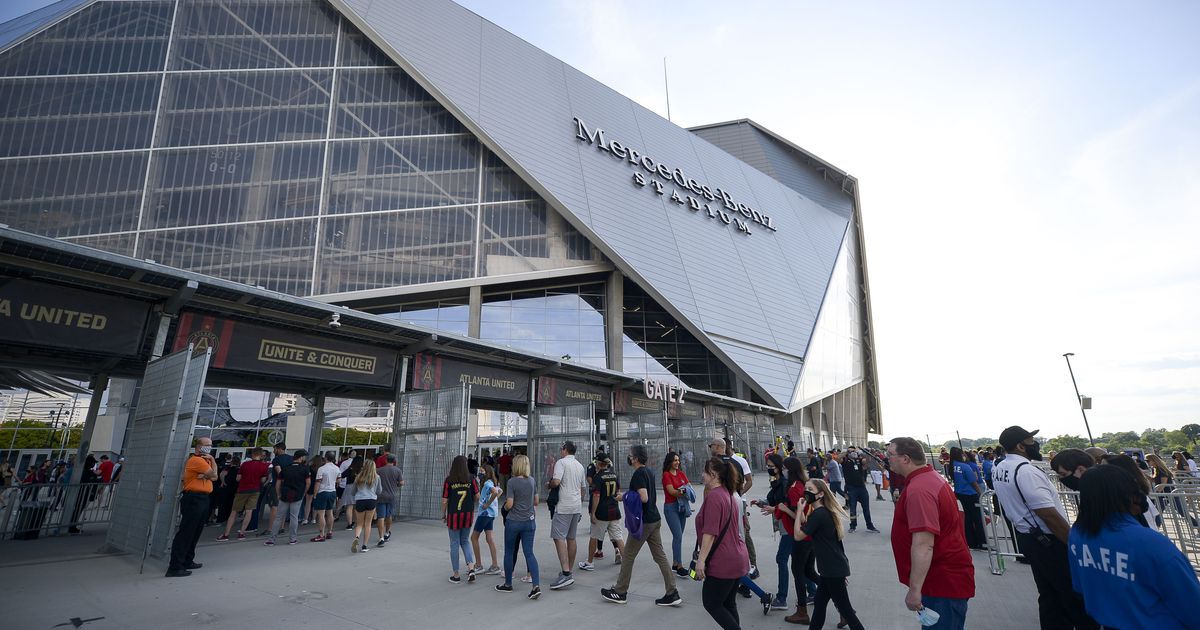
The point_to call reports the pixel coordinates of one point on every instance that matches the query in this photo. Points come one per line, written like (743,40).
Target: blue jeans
(522,531)
(675,523)
(460,538)
(783,558)
(836,488)
(857,495)
(953,612)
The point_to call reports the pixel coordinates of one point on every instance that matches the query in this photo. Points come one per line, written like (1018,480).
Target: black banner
(262,350)
(685,411)
(625,401)
(434,372)
(39,314)
(556,391)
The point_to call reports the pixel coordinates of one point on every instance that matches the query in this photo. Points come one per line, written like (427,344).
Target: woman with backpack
(722,559)
(458,509)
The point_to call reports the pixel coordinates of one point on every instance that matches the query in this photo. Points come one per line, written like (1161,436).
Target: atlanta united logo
(203,340)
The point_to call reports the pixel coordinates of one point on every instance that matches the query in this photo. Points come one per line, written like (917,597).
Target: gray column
(317,427)
(476,311)
(614,320)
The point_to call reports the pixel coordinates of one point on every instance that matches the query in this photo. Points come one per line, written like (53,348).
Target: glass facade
(835,354)
(263,141)
(656,345)
(557,322)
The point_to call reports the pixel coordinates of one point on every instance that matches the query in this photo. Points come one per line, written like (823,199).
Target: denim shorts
(484,523)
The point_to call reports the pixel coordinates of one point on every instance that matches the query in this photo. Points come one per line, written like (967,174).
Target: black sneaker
(872,529)
(185,573)
(471,576)
(670,599)
(681,572)
(504,588)
(612,596)
(743,590)
(535,592)
(454,579)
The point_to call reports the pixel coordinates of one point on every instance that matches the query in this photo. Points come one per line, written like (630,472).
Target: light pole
(1078,398)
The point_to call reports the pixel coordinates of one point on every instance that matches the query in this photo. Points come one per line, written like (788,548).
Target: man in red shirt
(381,458)
(505,466)
(106,469)
(928,539)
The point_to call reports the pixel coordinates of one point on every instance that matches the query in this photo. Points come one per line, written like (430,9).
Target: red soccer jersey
(929,505)
(460,503)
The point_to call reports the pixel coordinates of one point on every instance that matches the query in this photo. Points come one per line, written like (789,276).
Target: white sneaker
(587,566)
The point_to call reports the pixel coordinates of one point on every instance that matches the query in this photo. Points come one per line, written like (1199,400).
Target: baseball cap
(1014,435)
(601,456)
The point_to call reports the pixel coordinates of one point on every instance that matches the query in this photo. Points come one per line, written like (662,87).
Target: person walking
(824,525)
(1131,577)
(722,559)
(776,507)
(291,484)
(353,467)
(199,472)
(485,518)
(723,448)
(520,505)
(282,460)
(251,476)
(966,488)
(642,493)
(325,499)
(783,506)
(391,479)
(1033,507)
(568,479)
(605,512)
(676,507)
(458,509)
(854,471)
(366,488)
(504,464)
(928,541)
(833,476)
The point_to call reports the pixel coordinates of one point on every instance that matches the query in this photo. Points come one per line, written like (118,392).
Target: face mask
(1034,451)
(205,450)
(810,497)
(1070,481)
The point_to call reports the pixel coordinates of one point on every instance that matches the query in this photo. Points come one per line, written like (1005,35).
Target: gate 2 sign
(661,390)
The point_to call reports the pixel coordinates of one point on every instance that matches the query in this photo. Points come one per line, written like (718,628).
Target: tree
(1063,442)
(1192,432)
(1154,439)
(1115,441)
(874,444)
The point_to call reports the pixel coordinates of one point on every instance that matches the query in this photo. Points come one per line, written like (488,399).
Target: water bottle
(928,616)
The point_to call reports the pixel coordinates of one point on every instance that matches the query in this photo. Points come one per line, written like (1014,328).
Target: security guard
(1032,505)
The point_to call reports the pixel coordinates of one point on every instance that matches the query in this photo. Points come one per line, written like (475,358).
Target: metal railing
(53,509)
(1178,520)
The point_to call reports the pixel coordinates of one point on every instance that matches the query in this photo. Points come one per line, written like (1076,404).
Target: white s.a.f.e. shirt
(1035,486)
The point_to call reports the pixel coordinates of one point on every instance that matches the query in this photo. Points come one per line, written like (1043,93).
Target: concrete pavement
(49,582)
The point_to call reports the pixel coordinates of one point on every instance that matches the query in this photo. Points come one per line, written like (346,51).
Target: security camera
(332,321)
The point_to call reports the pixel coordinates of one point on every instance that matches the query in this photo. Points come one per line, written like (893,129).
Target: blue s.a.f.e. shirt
(1132,577)
(964,478)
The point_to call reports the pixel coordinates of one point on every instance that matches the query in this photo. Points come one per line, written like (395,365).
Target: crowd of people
(1110,567)
(44,484)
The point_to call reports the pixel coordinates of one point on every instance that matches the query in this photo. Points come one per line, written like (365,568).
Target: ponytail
(725,471)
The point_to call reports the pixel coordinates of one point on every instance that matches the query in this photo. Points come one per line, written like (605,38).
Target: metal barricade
(52,509)
(1178,520)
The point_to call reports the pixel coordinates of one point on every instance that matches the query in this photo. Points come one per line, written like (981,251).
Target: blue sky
(1028,174)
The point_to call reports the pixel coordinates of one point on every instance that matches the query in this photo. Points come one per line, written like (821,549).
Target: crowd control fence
(52,509)
(1178,520)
